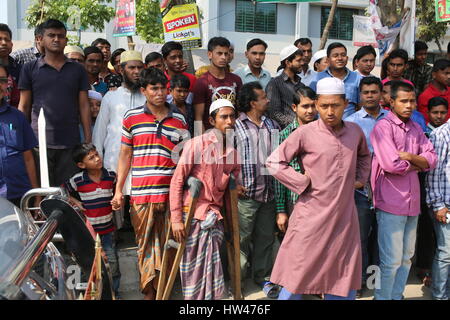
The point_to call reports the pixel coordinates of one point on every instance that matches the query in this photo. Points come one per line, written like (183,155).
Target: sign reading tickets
(363,34)
(181,24)
(125,20)
(442,10)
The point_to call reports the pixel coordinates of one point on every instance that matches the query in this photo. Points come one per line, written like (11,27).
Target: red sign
(180,22)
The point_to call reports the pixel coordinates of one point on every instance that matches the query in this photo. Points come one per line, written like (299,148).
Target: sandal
(427,280)
(271,290)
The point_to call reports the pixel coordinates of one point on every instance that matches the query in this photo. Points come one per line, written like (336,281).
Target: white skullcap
(220,103)
(288,51)
(73,49)
(95,95)
(330,85)
(130,55)
(319,55)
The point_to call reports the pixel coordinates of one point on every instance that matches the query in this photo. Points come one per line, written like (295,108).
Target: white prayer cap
(130,55)
(95,95)
(286,52)
(319,55)
(73,49)
(220,103)
(330,85)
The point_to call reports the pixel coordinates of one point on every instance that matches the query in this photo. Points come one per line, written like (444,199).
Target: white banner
(363,34)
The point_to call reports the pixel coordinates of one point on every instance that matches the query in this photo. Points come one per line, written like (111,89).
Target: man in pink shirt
(211,158)
(401,150)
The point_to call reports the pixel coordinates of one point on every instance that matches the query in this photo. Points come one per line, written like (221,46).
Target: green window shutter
(342,28)
(260,18)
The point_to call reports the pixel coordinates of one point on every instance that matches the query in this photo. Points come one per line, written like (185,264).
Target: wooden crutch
(164,289)
(233,244)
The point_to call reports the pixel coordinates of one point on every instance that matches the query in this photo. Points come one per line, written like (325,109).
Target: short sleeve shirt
(152,142)
(57,92)
(209,88)
(16,137)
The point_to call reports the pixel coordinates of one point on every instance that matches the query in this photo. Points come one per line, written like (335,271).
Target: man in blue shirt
(338,58)
(17,167)
(371,112)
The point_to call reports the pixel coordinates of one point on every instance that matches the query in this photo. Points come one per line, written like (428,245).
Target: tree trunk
(439,46)
(326,30)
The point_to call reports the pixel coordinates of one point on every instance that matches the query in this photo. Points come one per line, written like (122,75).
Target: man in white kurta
(107,132)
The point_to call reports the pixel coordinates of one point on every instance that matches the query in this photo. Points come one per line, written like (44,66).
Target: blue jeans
(366,218)
(109,247)
(396,242)
(441,264)
(286,295)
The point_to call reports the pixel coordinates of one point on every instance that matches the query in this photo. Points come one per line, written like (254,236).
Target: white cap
(220,103)
(95,95)
(330,85)
(286,52)
(319,55)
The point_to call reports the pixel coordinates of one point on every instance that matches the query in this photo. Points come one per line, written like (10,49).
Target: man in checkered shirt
(438,199)
(29,54)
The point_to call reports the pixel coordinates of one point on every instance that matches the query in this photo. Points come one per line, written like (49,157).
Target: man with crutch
(212,159)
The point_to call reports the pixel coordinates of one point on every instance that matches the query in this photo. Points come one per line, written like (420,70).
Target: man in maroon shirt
(439,87)
(217,83)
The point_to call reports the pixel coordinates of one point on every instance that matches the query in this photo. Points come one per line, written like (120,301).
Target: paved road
(129,282)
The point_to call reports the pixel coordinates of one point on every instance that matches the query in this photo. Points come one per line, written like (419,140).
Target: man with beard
(108,126)
(306,73)
(93,64)
(338,58)
(211,158)
(172,53)
(253,71)
(281,89)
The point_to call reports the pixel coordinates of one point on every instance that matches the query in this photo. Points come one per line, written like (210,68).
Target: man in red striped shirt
(149,134)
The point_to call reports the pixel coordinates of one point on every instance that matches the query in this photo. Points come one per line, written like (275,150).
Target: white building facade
(237,20)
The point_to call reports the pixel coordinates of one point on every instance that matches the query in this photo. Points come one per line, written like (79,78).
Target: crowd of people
(343,168)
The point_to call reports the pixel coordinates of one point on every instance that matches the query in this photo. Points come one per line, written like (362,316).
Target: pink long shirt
(321,252)
(203,158)
(394,183)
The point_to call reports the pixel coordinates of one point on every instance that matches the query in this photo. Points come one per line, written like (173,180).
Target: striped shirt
(283,195)
(438,180)
(96,198)
(255,145)
(152,142)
